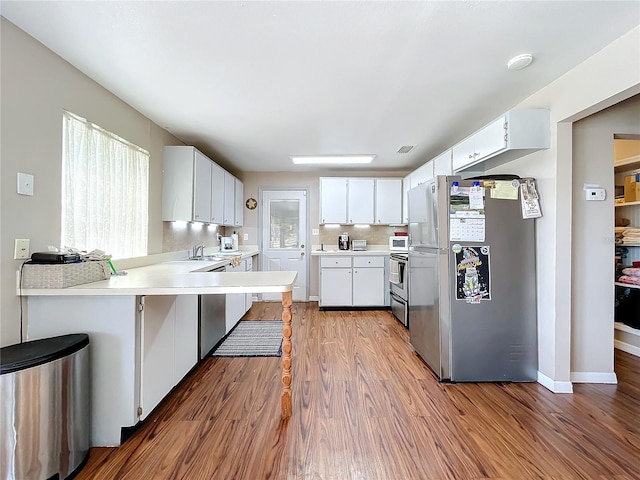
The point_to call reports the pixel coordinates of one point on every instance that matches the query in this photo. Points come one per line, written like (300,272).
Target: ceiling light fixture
(330,159)
(519,62)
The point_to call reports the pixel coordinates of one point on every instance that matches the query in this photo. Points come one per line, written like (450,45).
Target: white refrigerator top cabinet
(512,135)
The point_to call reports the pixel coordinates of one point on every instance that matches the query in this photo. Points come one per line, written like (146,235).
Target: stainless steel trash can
(44,408)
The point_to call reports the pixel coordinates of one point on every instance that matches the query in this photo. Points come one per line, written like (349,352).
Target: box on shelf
(632,188)
(63,275)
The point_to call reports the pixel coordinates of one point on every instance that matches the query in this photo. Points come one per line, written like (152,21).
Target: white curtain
(105,182)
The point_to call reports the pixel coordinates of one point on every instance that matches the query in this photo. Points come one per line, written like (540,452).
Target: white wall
(36,85)
(593,239)
(606,78)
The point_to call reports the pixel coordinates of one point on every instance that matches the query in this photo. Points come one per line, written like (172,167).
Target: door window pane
(285,221)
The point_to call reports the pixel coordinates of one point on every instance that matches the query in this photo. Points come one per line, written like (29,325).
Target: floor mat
(253,338)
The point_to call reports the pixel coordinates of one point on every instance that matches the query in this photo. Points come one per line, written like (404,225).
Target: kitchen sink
(207,258)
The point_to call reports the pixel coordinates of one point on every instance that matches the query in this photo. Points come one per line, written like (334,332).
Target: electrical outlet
(245,237)
(21,249)
(315,231)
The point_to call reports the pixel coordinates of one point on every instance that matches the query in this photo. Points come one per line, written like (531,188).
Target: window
(105,182)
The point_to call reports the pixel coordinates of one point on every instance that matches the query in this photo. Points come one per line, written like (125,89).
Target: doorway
(283,241)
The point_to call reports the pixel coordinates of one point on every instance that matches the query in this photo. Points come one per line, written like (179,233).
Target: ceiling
(251,82)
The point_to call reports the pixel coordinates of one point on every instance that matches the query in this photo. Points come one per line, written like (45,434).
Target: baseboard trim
(626,347)
(313,298)
(594,377)
(555,387)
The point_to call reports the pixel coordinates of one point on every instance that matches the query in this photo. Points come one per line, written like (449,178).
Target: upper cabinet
(217,194)
(512,135)
(238,217)
(388,201)
(442,164)
(229,199)
(360,200)
(333,200)
(195,189)
(186,185)
(421,174)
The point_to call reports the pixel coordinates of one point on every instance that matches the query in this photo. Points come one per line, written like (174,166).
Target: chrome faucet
(196,249)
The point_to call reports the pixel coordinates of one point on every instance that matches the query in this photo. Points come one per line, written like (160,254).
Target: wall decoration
(251,203)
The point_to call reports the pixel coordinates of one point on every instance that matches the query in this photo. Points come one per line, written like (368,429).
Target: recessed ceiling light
(330,159)
(519,62)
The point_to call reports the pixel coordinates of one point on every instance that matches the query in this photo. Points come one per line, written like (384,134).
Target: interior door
(284,237)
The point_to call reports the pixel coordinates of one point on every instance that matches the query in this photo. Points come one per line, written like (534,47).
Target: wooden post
(285,397)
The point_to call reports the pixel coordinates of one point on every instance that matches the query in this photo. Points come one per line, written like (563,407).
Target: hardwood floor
(365,407)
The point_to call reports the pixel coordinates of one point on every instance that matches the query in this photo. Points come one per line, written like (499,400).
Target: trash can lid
(36,352)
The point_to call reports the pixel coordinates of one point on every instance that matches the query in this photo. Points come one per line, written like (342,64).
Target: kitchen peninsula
(143,329)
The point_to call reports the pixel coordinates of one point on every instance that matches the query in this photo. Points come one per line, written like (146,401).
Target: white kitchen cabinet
(229,199)
(360,200)
(388,201)
(333,200)
(186,185)
(442,164)
(157,352)
(185,335)
(335,282)
(169,345)
(368,281)
(137,355)
(235,303)
(238,208)
(512,135)
(217,194)
(406,186)
(422,174)
(357,281)
(248,302)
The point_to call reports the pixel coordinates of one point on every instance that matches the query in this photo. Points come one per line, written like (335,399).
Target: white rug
(252,338)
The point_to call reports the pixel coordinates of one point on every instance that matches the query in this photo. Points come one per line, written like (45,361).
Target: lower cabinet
(169,345)
(141,347)
(357,281)
(237,304)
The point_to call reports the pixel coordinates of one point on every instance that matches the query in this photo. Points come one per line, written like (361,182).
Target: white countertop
(180,277)
(372,250)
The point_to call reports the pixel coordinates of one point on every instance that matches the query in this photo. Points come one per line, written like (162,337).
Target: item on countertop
(359,245)
(343,241)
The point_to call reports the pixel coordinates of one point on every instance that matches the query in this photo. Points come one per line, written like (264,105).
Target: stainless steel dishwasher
(211,315)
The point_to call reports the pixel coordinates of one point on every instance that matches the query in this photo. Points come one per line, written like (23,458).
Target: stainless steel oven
(399,286)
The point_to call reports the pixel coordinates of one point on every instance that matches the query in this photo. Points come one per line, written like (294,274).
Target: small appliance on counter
(359,245)
(343,241)
(228,245)
(399,243)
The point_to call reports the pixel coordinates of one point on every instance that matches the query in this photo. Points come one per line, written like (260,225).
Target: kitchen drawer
(362,262)
(328,262)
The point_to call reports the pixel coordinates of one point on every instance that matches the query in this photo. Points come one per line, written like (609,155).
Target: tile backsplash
(183,236)
(373,234)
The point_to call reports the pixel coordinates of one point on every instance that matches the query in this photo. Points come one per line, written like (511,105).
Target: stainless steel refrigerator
(472,290)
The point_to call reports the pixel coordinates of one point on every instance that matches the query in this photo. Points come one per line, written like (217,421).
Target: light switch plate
(315,231)
(21,249)
(25,184)
(245,237)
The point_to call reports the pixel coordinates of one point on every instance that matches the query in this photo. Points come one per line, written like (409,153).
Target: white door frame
(305,240)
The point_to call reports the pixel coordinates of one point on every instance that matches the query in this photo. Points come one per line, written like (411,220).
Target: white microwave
(399,243)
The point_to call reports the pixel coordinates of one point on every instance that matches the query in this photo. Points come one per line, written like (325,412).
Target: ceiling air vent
(405,148)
